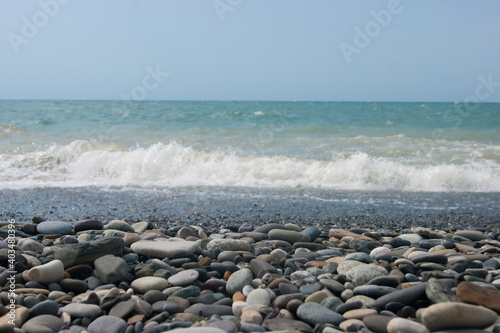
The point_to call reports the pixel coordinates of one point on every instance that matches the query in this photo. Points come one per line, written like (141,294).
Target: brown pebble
(238,296)
(315,264)
(276,283)
(206,261)
(227,274)
(470,293)
(135,319)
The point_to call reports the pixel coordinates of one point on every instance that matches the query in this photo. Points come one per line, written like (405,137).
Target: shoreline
(226,207)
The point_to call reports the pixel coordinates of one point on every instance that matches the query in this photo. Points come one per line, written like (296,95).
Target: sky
(289,50)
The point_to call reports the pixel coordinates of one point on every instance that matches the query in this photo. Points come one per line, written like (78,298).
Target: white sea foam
(82,163)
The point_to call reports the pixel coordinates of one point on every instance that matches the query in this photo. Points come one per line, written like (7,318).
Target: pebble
(314,313)
(184,278)
(123,277)
(110,268)
(54,227)
(107,324)
(43,323)
(451,315)
(171,248)
(147,283)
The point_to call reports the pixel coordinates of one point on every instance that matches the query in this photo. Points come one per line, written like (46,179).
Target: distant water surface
(409,147)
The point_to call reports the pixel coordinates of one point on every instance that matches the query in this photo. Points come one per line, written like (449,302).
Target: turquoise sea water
(414,147)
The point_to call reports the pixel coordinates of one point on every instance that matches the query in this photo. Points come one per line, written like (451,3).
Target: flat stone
(122,309)
(404,296)
(289,236)
(171,248)
(398,325)
(187,292)
(43,324)
(47,307)
(359,313)
(54,227)
(434,258)
(438,292)
(332,285)
(108,324)
(88,225)
(473,235)
(412,238)
(377,323)
(314,313)
(451,315)
(261,267)
(373,291)
(238,280)
(87,252)
(78,310)
(217,246)
(74,285)
(147,283)
(470,293)
(110,268)
(281,324)
(184,278)
(268,227)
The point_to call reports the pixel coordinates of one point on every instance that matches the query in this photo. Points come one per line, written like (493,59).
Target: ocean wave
(83,163)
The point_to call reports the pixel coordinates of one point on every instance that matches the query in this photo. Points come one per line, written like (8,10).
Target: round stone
(109,324)
(313,313)
(119,225)
(43,323)
(184,278)
(82,310)
(451,315)
(87,225)
(54,227)
(259,296)
(48,307)
(363,273)
(110,269)
(147,283)
(238,280)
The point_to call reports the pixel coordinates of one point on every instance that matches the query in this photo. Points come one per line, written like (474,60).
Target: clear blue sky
(250,50)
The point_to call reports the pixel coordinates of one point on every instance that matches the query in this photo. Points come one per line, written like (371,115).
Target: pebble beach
(138,276)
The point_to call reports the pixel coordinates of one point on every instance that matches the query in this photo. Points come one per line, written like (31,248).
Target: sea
(352,156)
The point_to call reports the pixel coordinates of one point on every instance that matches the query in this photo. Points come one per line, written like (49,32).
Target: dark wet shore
(226,207)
